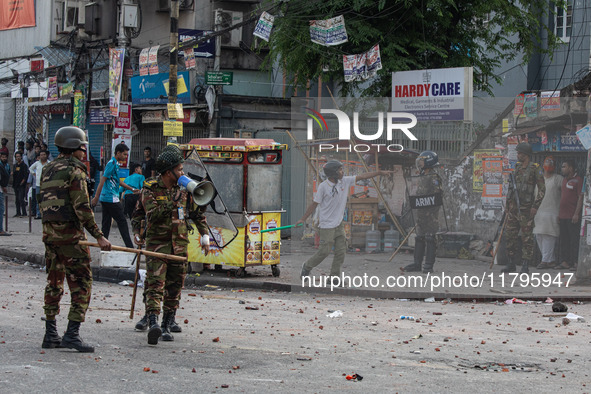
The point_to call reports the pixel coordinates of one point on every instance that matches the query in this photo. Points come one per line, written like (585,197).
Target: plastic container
(372,240)
(391,240)
(407,317)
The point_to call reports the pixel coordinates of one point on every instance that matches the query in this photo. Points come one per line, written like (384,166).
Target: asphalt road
(290,345)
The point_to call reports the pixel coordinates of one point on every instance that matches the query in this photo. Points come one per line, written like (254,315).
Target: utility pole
(214,127)
(174,49)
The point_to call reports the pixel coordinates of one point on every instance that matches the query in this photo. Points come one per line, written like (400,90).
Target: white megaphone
(203,192)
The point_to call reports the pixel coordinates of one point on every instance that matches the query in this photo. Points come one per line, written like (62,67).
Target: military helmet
(332,168)
(524,148)
(170,157)
(427,159)
(70,137)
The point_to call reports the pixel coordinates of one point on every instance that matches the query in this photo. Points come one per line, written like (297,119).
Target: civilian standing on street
(135,180)
(569,216)
(148,170)
(4,148)
(4,177)
(108,193)
(36,170)
(331,200)
(66,213)
(520,220)
(166,208)
(546,227)
(20,175)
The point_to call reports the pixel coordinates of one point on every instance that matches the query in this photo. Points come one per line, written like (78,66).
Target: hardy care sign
(434,95)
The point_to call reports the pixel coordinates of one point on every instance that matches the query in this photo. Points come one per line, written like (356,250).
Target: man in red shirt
(569,215)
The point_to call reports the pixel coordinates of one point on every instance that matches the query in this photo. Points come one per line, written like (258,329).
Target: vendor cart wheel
(241,272)
(275,270)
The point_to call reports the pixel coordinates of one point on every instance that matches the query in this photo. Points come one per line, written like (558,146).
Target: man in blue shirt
(108,193)
(135,180)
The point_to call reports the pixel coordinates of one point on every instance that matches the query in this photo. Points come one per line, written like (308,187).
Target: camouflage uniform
(166,232)
(526,180)
(66,212)
(427,222)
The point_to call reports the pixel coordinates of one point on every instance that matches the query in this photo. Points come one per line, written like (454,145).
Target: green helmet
(170,157)
(70,137)
(524,148)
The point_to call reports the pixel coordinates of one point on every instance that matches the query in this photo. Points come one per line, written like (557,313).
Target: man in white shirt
(35,170)
(331,200)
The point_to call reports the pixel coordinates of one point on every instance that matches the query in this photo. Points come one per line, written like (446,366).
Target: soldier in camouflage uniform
(527,176)
(66,213)
(426,217)
(166,208)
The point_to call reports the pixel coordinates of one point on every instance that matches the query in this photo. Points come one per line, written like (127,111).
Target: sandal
(563,266)
(5,234)
(543,266)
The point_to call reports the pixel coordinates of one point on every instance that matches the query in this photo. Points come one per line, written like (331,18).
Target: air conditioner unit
(228,19)
(184,5)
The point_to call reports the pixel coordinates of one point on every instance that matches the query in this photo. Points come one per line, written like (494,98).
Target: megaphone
(203,192)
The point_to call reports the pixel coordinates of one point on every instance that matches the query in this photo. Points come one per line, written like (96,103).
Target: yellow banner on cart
(232,254)
(271,240)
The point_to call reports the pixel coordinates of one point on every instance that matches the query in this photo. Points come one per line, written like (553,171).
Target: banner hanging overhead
(329,32)
(438,94)
(17,14)
(116,56)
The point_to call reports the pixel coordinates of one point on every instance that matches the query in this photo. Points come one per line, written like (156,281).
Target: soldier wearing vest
(66,213)
(166,209)
(528,176)
(427,218)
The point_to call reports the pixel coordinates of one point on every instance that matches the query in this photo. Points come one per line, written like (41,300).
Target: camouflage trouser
(164,281)
(524,221)
(330,237)
(73,263)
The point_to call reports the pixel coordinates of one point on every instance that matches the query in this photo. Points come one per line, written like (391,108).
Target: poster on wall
(116,59)
(52,90)
(550,101)
(79,109)
(477,169)
(144,68)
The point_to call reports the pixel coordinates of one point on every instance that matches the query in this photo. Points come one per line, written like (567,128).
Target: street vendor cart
(247,176)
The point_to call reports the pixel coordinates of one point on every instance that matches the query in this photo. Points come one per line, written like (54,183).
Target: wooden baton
(163,256)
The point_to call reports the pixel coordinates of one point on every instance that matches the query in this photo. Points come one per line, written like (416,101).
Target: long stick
(297,145)
(138,260)
(282,227)
(492,263)
(412,230)
(163,256)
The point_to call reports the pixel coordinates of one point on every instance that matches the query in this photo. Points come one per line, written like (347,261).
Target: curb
(116,275)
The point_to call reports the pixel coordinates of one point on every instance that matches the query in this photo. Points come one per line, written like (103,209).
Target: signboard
(52,90)
(172,129)
(431,95)
(264,26)
(189,116)
(79,109)
(116,59)
(100,116)
(123,121)
(204,49)
(584,136)
(219,77)
(150,89)
(175,111)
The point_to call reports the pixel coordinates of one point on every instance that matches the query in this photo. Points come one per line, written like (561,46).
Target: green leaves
(412,34)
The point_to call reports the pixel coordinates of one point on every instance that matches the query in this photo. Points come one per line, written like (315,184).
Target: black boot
(510,267)
(174,327)
(155,330)
(166,320)
(524,267)
(72,340)
(51,339)
(430,254)
(142,325)
(418,254)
